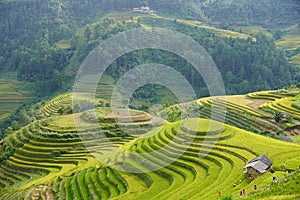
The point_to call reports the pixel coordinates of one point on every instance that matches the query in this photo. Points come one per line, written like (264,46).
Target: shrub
(227,198)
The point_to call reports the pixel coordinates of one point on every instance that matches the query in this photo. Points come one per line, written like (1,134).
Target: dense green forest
(29,32)
(245,65)
(271,13)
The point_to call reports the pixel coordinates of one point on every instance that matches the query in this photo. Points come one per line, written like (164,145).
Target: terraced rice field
(255,111)
(200,170)
(12,95)
(104,87)
(53,106)
(296,60)
(240,115)
(84,91)
(42,157)
(284,105)
(195,158)
(284,102)
(253,30)
(291,43)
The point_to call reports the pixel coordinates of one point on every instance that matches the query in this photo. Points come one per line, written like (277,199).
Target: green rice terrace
(57,157)
(12,95)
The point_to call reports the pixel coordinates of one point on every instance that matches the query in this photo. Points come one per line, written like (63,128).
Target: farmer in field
(255,187)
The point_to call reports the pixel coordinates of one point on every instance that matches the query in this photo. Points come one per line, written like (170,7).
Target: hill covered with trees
(31,32)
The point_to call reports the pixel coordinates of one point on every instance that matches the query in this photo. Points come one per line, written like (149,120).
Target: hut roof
(258,165)
(264,159)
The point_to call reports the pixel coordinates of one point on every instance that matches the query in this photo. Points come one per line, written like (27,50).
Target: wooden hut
(257,166)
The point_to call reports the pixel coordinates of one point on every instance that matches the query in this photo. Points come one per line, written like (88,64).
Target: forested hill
(257,11)
(267,12)
(30,32)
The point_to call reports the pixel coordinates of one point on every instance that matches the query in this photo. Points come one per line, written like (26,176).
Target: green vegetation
(106,115)
(268,13)
(12,95)
(53,48)
(61,104)
(50,147)
(240,52)
(252,30)
(203,126)
(285,188)
(63,44)
(296,59)
(296,139)
(205,157)
(290,42)
(292,45)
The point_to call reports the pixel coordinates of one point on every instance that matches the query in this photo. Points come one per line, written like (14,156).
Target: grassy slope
(159,21)
(286,188)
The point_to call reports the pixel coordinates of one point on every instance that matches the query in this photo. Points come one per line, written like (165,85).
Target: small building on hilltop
(257,166)
(143,9)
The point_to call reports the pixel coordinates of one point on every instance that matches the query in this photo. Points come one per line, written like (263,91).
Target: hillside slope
(57,159)
(50,56)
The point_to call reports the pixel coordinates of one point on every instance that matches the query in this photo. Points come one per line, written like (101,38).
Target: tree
(145,108)
(24,118)
(65,109)
(278,34)
(227,197)
(88,33)
(9,130)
